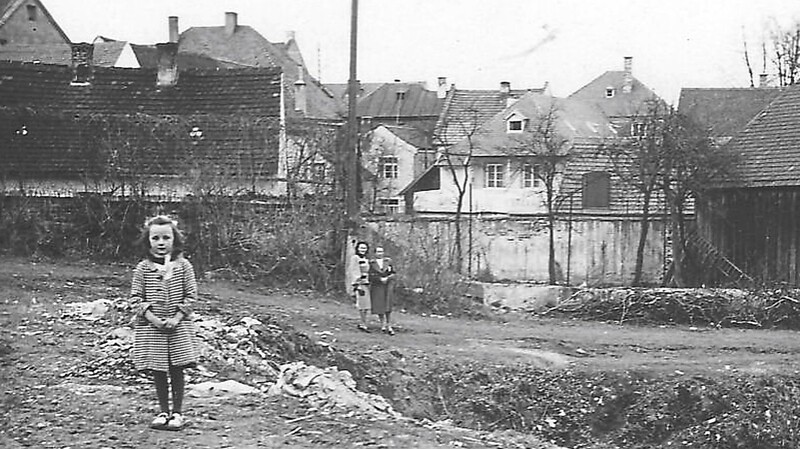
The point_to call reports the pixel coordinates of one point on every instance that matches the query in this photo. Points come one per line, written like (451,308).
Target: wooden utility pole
(353,164)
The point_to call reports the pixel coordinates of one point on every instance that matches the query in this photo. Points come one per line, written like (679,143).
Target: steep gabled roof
(621,104)
(246,46)
(147,55)
(400,100)
(411,135)
(725,111)
(463,111)
(767,151)
(44,134)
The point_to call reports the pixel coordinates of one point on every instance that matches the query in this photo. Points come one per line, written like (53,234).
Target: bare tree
(638,160)
(311,155)
(545,151)
(457,157)
(784,45)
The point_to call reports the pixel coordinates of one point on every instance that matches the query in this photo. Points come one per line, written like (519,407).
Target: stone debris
(91,311)
(328,387)
(224,388)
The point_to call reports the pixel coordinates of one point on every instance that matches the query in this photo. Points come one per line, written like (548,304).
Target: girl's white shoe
(159,421)
(175,422)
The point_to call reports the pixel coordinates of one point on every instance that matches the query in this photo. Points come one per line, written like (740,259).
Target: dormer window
(515,123)
(610,91)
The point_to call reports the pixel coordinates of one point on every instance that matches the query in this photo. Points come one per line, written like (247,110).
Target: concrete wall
(589,250)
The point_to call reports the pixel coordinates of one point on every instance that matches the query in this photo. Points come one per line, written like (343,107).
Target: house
(486,145)
(392,157)
(106,53)
(239,44)
(162,132)
(752,216)
(401,104)
(27,22)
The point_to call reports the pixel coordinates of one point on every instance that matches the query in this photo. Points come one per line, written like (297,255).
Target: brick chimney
(167,64)
(231,22)
(627,82)
(441,90)
(505,87)
(762,80)
(174,35)
(82,62)
(300,94)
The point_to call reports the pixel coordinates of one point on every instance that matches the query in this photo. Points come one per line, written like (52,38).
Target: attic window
(515,125)
(32,13)
(610,91)
(389,167)
(401,95)
(638,130)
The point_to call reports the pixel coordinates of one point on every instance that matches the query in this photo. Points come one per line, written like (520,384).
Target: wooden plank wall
(757,229)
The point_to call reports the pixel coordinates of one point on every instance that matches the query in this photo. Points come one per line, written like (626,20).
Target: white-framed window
(495,175)
(389,167)
(638,129)
(610,92)
(516,125)
(390,205)
(531,176)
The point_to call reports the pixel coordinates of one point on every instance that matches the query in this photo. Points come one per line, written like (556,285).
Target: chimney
(167,64)
(290,36)
(300,96)
(441,91)
(762,80)
(231,22)
(174,35)
(82,62)
(627,83)
(505,87)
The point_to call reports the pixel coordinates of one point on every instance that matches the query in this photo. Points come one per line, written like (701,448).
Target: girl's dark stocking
(176,378)
(162,390)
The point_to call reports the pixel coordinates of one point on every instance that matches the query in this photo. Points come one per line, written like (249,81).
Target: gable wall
(19,30)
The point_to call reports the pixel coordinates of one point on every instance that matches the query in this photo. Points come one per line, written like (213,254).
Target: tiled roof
(768,149)
(464,111)
(622,104)
(411,135)
(43,132)
(725,111)
(575,120)
(105,54)
(386,101)
(147,55)
(247,47)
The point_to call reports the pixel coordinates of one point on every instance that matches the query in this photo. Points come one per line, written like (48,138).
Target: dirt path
(47,402)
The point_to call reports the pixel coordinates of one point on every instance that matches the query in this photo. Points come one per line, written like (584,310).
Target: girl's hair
(355,248)
(177,236)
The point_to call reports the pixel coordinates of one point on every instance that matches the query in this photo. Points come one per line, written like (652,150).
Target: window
(494,175)
(531,175)
(389,167)
(515,125)
(638,130)
(390,205)
(318,171)
(610,91)
(596,190)
(32,13)
(401,95)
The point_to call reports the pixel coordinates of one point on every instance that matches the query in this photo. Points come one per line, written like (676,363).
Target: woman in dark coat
(381,289)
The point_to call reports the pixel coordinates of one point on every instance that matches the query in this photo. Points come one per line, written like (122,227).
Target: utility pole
(352,162)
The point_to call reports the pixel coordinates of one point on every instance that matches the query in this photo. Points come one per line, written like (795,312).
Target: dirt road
(46,402)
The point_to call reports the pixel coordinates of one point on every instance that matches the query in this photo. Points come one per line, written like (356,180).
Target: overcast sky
(477,43)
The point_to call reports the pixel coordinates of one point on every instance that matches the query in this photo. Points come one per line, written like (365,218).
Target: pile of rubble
(248,350)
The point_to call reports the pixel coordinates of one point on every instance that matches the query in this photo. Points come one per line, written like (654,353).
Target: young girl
(164,339)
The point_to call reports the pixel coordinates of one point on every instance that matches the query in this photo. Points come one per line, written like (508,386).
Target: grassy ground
(47,402)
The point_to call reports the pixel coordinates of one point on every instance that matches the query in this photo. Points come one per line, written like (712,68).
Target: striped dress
(164,292)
